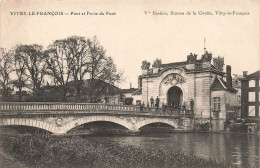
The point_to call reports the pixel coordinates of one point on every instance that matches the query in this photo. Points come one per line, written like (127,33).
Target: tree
(101,68)
(6,67)
(76,59)
(76,50)
(67,61)
(58,63)
(20,68)
(33,63)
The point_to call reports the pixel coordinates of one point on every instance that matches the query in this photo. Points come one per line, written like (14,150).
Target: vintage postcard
(130,83)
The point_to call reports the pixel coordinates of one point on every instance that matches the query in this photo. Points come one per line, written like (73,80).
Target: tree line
(66,63)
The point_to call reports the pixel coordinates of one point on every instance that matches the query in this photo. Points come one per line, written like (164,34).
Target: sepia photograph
(130,84)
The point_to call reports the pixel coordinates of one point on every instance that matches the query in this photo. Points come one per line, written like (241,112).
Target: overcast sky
(131,36)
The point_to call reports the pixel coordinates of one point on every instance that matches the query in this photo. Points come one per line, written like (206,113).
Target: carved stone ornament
(218,62)
(59,121)
(173,79)
(206,57)
(133,120)
(145,65)
(157,63)
(191,59)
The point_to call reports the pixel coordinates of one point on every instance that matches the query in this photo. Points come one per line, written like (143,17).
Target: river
(237,149)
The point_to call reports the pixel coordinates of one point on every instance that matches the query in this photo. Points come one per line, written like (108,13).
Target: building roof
(181,64)
(199,67)
(220,84)
(105,87)
(255,75)
(174,64)
(138,92)
(131,90)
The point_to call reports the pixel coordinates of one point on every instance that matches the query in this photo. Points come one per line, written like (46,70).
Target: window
(251,96)
(251,111)
(216,103)
(251,83)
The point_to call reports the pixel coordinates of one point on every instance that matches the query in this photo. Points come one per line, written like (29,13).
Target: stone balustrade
(39,106)
(14,107)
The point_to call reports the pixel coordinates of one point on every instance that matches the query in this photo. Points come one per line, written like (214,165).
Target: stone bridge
(59,118)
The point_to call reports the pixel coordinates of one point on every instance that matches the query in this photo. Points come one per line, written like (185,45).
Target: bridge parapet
(34,106)
(58,117)
(60,107)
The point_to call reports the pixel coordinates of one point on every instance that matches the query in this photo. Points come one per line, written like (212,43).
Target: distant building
(132,96)
(195,83)
(236,83)
(137,96)
(250,91)
(128,92)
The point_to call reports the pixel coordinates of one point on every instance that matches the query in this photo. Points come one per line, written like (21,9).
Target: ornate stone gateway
(193,84)
(173,87)
(175,97)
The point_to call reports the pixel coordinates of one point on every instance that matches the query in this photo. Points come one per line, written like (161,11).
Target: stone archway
(170,78)
(174,96)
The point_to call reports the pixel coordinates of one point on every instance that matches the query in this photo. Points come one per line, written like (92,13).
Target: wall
(203,82)
(136,97)
(228,101)
(222,113)
(112,99)
(245,103)
(231,99)
(127,95)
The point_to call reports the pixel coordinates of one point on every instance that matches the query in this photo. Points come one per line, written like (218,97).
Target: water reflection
(237,149)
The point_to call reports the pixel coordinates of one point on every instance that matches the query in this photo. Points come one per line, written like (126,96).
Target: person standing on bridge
(141,106)
(152,101)
(157,101)
(192,105)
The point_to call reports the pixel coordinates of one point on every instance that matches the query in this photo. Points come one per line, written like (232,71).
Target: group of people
(157,102)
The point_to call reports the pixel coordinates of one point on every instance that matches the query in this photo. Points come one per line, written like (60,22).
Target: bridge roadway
(58,117)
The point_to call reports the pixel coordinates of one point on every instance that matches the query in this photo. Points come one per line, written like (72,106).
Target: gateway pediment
(173,79)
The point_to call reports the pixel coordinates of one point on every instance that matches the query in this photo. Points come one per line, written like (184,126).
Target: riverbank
(41,151)
(6,161)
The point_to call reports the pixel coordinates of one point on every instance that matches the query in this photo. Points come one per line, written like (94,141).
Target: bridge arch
(89,119)
(172,123)
(27,122)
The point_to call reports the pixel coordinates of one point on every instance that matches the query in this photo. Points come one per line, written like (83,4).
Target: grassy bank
(38,151)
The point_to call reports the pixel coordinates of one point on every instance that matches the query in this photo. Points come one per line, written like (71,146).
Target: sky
(133,35)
